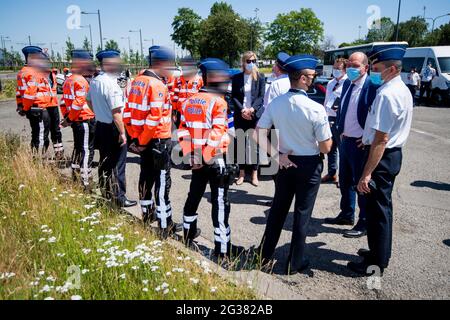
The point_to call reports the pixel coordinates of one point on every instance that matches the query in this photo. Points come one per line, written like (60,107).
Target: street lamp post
(398,19)
(140,38)
(434,20)
(99,25)
(129,43)
(152,41)
(90,34)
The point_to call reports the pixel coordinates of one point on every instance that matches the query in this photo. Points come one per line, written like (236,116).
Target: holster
(35,113)
(227,175)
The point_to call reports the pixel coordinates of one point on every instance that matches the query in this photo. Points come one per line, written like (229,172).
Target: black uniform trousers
(55,130)
(155,172)
(220,207)
(40,129)
(379,208)
(83,151)
(113,158)
(302,182)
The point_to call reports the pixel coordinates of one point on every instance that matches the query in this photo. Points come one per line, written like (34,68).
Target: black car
(318,92)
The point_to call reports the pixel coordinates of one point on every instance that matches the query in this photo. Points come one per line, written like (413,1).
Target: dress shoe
(364,253)
(128,203)
(340,221)
(304,267)
(329,179)
(355,233)
(361,268)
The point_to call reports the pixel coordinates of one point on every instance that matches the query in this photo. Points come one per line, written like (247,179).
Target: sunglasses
(251,61)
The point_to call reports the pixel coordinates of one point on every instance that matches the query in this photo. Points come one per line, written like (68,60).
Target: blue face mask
(376,78)
(353,73)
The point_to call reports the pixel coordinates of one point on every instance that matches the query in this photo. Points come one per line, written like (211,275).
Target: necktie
(344,107)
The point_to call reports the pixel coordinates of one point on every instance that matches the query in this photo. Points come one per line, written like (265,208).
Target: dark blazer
(366,98)
(237,99)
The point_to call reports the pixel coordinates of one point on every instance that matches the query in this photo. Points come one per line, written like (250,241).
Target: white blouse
(248,81)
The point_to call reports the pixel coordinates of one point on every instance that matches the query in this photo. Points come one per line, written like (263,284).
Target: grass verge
(57,243)
(8,89)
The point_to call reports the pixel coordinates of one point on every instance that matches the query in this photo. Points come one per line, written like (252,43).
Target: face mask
(353,73)
(337,73)
(249,66)
(376,78)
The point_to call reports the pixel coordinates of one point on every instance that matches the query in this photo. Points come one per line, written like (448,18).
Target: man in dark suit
(358,94)
(247,102)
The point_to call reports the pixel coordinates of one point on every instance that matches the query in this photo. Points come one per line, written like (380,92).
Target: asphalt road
(420,266)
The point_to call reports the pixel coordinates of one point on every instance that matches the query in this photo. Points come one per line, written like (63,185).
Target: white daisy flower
(49,298)
(213,289)
(51,240)
(145,289)
(194,280)
(76,298)
(21,187)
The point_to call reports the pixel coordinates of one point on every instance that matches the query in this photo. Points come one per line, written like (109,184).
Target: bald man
(358,94)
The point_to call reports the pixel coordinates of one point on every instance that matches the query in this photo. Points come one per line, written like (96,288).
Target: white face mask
(249,66)
(337,73)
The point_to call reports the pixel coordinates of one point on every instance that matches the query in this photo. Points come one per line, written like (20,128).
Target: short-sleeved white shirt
(105,95)
(277,88)
(301,123)
(391,113)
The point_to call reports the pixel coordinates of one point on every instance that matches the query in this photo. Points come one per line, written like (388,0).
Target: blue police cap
(387,53)
(213,64)
(81,54)
(30,50)
(301,62)
(281,59)
(105,54)
(161,53)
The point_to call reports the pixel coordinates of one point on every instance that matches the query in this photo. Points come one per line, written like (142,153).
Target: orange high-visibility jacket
(147,113)
(38,92)
(184,89)
(21,83)
(75,90)
(54,100)
(204,125)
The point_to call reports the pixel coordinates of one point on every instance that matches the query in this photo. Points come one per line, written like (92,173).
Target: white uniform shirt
(331,95)
(248,81)
(413,79)
(428,74)
(279,87)
(105,95)
(352,128)
(301,123)
(391,113)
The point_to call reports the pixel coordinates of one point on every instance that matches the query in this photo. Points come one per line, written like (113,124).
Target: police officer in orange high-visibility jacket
(79,116)
(188,84)
(24,73)
(54,116)
(36,98)
(203,134)
(150,128)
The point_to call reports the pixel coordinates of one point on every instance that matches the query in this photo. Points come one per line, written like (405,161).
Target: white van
(439,57)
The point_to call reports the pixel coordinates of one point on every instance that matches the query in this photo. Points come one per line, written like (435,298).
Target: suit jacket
(366,98)
(237,99)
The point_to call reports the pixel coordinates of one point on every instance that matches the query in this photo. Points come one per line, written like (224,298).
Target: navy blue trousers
(379,208)
(113,159)
(351,166)
(333,155)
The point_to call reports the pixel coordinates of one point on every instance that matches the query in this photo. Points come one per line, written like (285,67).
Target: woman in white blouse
(248,89)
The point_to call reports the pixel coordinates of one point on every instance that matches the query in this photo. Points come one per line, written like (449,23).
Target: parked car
(319,90)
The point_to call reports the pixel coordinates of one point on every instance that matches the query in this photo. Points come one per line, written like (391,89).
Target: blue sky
(45,20)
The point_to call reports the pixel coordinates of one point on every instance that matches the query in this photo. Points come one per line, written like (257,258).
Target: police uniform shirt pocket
(383,113)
